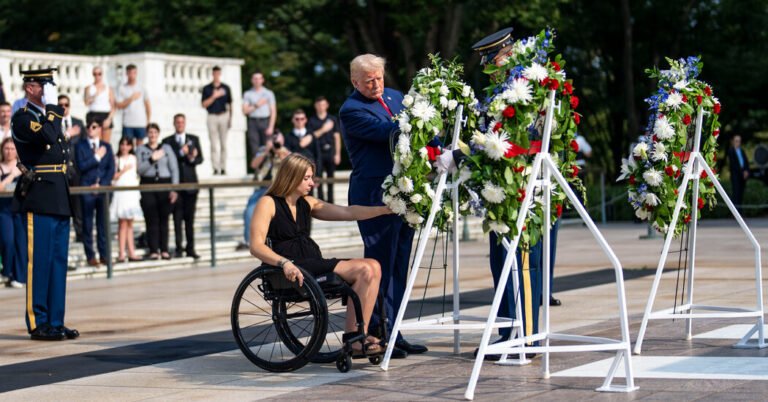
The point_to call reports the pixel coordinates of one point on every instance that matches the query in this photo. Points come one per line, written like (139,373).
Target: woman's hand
(293,273)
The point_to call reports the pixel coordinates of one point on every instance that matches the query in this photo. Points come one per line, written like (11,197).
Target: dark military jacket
(42,148)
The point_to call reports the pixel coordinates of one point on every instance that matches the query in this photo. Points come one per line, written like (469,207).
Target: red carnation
(433,153)
(574,146)
(574,171)
(523,228)
(522,195)
(699,99)
(574,102)
(716,132)
(519,169)
(655,138)
(687,120)
(670,171)
(701,203)
(685,99)
(509,112)
(556,66)
(545,81)
(497,127)
(677,174)
(576,118)
(675,191)
(708,91)
(716,108)
(632,179)
(553,84)
(559,209)
(687,218)
(703,174)
(567,88)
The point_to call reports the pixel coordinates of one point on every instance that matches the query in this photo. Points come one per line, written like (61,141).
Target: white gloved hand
(445,163)
(50,94)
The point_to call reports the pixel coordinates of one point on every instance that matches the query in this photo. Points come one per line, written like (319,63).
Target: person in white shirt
(100,101)
(5,120)
(133,101)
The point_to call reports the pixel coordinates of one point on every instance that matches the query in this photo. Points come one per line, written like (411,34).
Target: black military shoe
(69,333)
(398,353)
(410,348)
(46,332)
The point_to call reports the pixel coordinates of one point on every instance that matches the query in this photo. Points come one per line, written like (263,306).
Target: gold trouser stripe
(30,253)
(527,304)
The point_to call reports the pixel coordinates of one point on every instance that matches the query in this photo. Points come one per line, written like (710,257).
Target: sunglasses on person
(299,118)
(64,104)
(96,74)
(94,126)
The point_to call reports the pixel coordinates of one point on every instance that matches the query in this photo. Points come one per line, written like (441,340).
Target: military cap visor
(490,46)
(42,76)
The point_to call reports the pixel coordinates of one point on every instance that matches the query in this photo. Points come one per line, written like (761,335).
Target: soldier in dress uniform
(42,198)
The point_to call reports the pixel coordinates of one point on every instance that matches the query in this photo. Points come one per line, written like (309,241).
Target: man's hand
(269,131)
(261,102)
(336,159)
(327,126)
(50,94)
(445,163)
(136,95)
(101,151)
(219,92)
(185,149)
(173,196)
(193,154)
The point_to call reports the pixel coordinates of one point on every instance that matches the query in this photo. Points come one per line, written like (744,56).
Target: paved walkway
(166,335)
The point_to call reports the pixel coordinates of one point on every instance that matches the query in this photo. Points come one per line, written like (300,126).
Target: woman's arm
(331,212)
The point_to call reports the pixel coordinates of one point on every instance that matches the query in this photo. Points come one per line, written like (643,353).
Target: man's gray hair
(366,63)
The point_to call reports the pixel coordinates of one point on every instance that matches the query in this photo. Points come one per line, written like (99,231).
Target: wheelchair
(280,327)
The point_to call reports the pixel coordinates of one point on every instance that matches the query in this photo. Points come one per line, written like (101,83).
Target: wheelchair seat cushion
(329,280)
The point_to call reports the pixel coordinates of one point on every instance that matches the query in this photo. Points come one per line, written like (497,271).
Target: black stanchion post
(108,234)
(602,197)
(212,219)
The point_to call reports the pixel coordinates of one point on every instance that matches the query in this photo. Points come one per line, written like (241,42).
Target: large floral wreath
(498,167)
(654,170)
(430,109)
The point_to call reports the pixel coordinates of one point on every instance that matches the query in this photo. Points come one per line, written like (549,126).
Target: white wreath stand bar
(456,322)
(693,168)
(544,169)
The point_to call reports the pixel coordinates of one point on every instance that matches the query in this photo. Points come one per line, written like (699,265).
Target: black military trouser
(184,212)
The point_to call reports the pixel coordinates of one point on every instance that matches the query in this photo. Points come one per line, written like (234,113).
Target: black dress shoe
(398,353)
(46,332)
(69,333)
(178,254)
(554,302)
(493,358)
(193,254)
(411,349)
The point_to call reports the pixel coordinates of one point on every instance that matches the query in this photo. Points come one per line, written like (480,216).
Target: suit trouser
(388,240)
(157,208)
(94,203)
(325,165)
(218,128)
(529,279)
(184,212)
(46,241)
(10,229)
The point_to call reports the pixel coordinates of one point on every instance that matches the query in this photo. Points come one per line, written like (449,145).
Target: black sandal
(367,350)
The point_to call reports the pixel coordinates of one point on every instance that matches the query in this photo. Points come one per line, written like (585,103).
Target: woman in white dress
(126,205)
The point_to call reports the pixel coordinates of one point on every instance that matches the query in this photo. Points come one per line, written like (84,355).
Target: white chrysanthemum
(423,152)
(444,90)
(443,102)
(478,138)
(519,91)
(498,227)
(627,166)
(496,145)
(398,206)
(535,72)
(642,214)
(466,91)
(652,177)
(404,144)
(397,168)
(659,152)
(663,129)
(492,193)
(428,190)
(423,110)
(641,150)
(660,229)
(413,218)
(404,123)
(386,199)
(681,85)
(407,100)
(464,174)
(452,104)
(405,184)
(674,100)
(651,199)
(435,130)
(393,190)
(387,181)
(406,160)
(416,198)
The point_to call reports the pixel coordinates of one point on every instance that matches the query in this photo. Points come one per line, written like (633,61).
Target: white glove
(445,163)
(50,94)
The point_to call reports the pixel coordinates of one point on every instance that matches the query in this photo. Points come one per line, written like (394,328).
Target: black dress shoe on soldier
(193,254)
(46,332)
(554,302)
(178,254)
(69,333)
(493,357)
(398,353)
(410,348)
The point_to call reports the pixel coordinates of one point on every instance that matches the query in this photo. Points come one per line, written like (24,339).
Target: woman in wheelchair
(283,217)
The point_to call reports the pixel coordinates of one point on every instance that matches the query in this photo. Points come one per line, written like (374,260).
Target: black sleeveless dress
(291,240)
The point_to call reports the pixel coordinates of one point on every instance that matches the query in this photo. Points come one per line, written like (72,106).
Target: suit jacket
(93,171)
(368,130)
(187,168)
(737,172)
(39,141)
(72,172)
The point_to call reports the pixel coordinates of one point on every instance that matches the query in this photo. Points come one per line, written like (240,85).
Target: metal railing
(211,187)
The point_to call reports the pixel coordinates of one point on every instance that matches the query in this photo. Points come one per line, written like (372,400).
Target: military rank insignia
(35,126)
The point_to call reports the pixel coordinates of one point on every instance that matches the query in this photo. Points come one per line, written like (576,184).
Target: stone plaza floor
(166,335)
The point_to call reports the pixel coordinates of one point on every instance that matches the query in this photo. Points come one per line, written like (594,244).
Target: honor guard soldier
(42,198)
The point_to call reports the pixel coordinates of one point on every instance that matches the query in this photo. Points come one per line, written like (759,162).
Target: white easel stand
(693,168)
(544,169)
(456,322)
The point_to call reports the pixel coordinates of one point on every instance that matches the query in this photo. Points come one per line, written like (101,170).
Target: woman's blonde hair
(291,173)
(366,63)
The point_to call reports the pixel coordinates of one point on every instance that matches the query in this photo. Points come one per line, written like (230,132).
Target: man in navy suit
(739,166)
(96,164)
(368,129)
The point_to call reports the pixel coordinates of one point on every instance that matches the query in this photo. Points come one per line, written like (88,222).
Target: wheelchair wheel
(277,325)
(344,362)
(331,344)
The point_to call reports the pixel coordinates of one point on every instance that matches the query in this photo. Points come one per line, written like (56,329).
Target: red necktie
(381,101)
